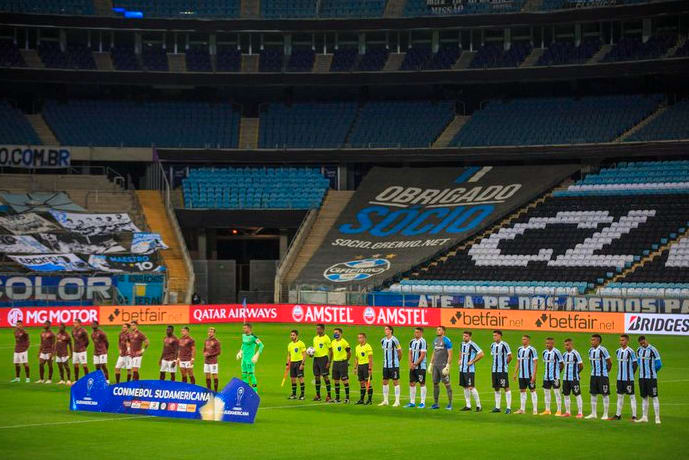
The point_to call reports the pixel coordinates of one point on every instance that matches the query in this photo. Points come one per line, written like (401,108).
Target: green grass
(36,422)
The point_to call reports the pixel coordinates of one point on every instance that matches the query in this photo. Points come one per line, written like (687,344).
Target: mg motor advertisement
(459,318)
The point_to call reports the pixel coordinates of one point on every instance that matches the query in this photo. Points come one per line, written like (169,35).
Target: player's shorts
(437,374)
(210,368)
(467,379)
(21,358)
(625,387)
(123,362)
(417,376)
(320,366)
(391,373)
(362,372)
(168,366)
(62,359)
(79,357)
(340,370)
(526,384)
(648,388)
(294,370)
(186,365)
(554,384)
(45,356)
(100,359)
(599,386)
(136,362)
(571,387)
(500,380)
(248,367)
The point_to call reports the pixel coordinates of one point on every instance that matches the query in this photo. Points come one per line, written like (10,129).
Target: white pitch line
(72,422)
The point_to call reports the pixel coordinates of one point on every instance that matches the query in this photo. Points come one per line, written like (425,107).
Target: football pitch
(36,422)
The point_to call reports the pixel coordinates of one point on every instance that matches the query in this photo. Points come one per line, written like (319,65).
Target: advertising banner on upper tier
(34,157)
(237,402)
(399,217)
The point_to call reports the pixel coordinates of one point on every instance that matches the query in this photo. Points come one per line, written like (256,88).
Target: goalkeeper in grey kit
(440,366)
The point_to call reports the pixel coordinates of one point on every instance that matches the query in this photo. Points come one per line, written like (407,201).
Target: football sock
(522,400)
(346,387)
(215,384)
(448,388)
(184,378)
(606,405)
(362,392)
(26,370)
(76,373)
(162,376)
(208,383)
(294,389)
(423,394)
(41,371)
(594,404)
(86,370)
(580,404)
(68,372)
(245,377)
(656,406)
(412,394)
(534,400)
(508,399)
(397,393)
(318,387)
(467,398)
(135,375)
(192,379)
(386,391)
(436,392)
(129,376)
(632,402)
(62,372)
(301,388)
(620,405)
(477,399)
(546,399)
(104,368)
(172,377)
(370,393)
(17,370)
(644,407)
(327,386)
(117,376)
(252,379)
(568,404)
(558,400)
(337,390)
(498,399)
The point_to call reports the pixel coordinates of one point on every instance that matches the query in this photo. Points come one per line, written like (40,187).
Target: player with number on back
(392,353)
(553,364)
(502,356)
(417,368)
(187,352)
(600,383)
(124,360)
(81,342)
(469,354)
(296,357)
(45,353)
(169,355)
(649,365)
(440,366)
(626,367)
(573,365)
(527,367)
(63,349)
(100,350)
(363,360)
(322,355)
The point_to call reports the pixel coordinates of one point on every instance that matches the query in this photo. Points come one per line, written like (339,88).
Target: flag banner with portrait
(53,263)
(401,217)
(22,224)
(94,224)
(125,263)
(21,244)
(76,244)
(40,202)
(147,243)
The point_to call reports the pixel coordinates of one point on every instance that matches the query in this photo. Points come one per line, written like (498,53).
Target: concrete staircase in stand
(176,62)
(322,63)
(32,59)
(103,61)
(464,60)
(600,54)
(394,8)
(533,57)
(45,134)
(250,9)
(680,43)
(394,62)
(248,132)
(103,7)
(642,123)
(249,63)
(450,131)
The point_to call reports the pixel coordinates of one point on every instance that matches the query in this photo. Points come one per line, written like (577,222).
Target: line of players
(561,373)
(132,344)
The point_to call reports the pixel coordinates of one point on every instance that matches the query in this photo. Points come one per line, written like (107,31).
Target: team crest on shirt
(339,348)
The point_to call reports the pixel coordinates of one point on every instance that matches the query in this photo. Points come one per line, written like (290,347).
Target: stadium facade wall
(556,321)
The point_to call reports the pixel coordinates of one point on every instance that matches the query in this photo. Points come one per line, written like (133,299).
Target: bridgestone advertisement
(400,217)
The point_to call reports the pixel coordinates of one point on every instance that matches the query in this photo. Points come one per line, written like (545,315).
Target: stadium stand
(567,52)
(445,58)
(391,124)
(76,56)
(270,60)
(198,59)
(124,58)
(301,59)
(543,121)
(306,125)
(15,128)
(673,123)
(492,55)
(344,59)
(276,9)
(254,188)
(632,48)
(228,59)
(81,7)
(125,123)
(374,59)
(420,8)
(185,9)
(564,244)
(416,57)
(10,55)
(154,57)
(352,8)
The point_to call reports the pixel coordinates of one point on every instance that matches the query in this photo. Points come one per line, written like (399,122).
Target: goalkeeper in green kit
(249,355)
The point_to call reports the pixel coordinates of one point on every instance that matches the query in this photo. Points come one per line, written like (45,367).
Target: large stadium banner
(53,263)
(125,263)
(94,224)
(22,244)
(144,314)
(36,290)
(34,157)
(22,224)
(36,316)
(656,324)
(237,402)
(586,303)
(400,217)
(77,244)
(147,243)
(140,289)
